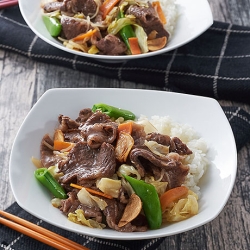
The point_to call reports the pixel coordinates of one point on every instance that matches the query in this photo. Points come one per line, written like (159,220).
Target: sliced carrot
(107,6)
(59,145)
(171,196)
(84,35)
(91,191)
(125,127)
(134,45)
(159,11)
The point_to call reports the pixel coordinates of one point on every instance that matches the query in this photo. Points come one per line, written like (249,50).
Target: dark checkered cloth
(216,64)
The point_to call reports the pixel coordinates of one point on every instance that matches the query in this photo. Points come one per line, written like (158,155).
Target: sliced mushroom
(157,43)
(152,35)
(131,211)
(123,146)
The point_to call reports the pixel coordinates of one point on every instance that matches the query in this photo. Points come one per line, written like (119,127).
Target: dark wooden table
(23,81)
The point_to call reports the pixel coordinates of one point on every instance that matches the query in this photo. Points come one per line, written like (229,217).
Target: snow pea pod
(150,201)
(126,32)
(53,25)
(113,111)
(45,178)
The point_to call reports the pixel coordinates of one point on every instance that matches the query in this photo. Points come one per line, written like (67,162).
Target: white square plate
(203,114)
(194,18)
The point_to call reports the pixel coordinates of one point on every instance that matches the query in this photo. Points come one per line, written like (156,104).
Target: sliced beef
(71,204)
(111,45)
(142,158)
(67,123)
(100,132)
(179,147)
(98,129)
(52,6)
(176,176)
(97,117)
(84,115)
(72,27)
(86,164)
(73,135)
(148,19)
(87,7)
(138,134)
(159,138)
(47,157)
(175,144)
(146,161)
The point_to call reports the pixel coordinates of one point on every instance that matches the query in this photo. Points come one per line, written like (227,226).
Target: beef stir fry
(110,27)
(111,173)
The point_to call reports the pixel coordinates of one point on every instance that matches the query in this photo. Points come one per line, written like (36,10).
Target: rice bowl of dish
(183,21)
(211,170)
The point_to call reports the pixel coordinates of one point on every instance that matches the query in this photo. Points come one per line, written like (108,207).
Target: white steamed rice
(170,10)
(197,161)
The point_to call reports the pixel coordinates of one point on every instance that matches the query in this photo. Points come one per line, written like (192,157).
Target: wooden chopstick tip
(39,233)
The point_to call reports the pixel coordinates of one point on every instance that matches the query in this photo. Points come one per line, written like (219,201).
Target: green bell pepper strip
(53,25)
(126,32)
(113,111)
(45,178)
(150,201)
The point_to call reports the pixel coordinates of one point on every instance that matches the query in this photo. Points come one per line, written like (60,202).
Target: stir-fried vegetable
(171,196)
(107,6)
(53,25)
(88,34)
(91,191)
(182,209)
(125,127)
(150,200)
(134,45)
(79,218)
(159,11)
(126,32)
(123,27)
(59,145)
(113,111)
(45,178)
(109,186)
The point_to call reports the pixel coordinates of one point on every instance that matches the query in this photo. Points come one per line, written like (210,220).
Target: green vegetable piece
(45,178)
(126,32)
(53,25)
(113,111)
(150,201)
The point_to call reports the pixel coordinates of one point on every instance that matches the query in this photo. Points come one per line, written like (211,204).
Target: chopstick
(7,3)
(39,233)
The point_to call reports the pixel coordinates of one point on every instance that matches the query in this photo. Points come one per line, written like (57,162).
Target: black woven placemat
(215,64)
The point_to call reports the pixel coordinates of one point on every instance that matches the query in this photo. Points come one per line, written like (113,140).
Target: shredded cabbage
(183,209)
(148,126)
(157,148)
(159,185)
(126,169)
(142,38)
(79,218)
(118,24)
(109,186)
(87,199)
(54,172)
